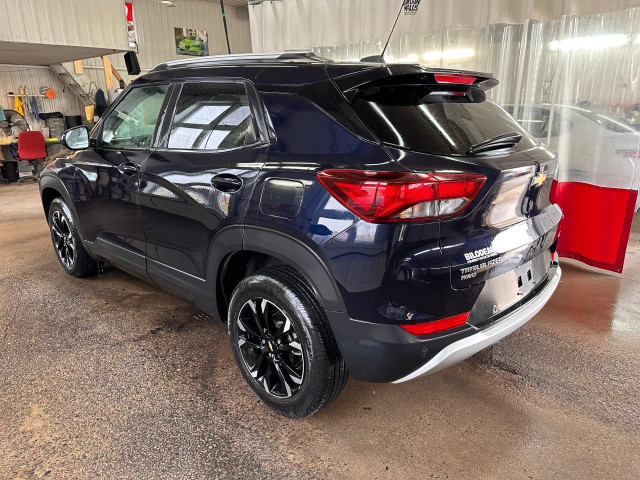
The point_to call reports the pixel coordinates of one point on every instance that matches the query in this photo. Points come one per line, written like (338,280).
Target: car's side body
(167,223)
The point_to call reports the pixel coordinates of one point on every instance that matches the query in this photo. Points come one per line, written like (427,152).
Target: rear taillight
(454,78)
(436,325)
(381,197)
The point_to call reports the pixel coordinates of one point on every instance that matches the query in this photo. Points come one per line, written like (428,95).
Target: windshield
(417,118)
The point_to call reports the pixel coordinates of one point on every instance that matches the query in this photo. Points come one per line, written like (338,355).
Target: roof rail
(245,58)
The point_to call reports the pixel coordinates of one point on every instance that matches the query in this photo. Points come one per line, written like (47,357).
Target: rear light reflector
(382,197)
(454,78)
(436,325)
(448,94)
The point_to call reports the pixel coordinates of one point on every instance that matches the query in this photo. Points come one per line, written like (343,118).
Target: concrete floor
(111,378)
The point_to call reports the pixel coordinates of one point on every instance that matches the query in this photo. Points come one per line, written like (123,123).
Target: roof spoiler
(349,82)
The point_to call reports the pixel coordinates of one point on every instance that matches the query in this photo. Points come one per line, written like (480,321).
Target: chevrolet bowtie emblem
(539,179)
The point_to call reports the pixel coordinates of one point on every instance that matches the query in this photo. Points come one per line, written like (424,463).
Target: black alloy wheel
(67,243)
(282,342)
(63,240)
(270,347)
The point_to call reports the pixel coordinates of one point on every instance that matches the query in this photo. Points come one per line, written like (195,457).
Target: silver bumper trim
(462,349)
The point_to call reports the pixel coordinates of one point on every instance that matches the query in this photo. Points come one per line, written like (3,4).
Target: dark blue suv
(374,220)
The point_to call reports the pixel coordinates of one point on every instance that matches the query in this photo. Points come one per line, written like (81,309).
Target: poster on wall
(190,41)
(131,28)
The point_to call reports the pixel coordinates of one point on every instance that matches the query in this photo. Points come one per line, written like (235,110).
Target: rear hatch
(434,120)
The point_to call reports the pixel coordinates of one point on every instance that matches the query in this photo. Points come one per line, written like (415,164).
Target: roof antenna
(380,58)
(224,21)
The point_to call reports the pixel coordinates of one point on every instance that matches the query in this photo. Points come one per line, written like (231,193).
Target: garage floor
(109,377)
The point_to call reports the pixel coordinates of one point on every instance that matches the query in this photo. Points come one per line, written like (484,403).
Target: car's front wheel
(66,241)
(282,343)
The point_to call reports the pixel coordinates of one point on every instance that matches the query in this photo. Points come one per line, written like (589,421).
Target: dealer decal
(478,254)
(467,273)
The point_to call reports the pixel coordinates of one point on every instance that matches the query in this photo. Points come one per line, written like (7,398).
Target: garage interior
(110,377)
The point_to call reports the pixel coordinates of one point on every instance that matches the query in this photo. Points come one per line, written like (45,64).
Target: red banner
(596,224)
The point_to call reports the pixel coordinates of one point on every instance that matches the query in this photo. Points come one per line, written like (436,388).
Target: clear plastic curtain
(571,78)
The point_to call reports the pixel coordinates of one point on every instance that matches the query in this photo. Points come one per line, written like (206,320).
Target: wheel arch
(51,187)
(262,247)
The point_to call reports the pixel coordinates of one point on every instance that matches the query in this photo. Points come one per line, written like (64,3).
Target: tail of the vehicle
(473,169)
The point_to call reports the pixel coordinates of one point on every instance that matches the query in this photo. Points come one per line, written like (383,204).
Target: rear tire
(293,364)
(72,255)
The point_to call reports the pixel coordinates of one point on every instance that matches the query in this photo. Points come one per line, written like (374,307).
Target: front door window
(133,121)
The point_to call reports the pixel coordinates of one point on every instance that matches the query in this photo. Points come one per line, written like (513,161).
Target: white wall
(356,26)
(154,27)
(12,77)
(82,23)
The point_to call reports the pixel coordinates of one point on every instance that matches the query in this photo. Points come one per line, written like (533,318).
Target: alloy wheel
(63,240)
(270,347)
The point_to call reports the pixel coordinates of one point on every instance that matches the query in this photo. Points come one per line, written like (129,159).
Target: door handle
(225,182)
(129,168)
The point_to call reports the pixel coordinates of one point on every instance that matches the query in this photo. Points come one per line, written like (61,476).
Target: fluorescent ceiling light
(448,54)
(590,43)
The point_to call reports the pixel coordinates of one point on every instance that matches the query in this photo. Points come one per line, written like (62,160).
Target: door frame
(198,290)
(123,257)
(265,135)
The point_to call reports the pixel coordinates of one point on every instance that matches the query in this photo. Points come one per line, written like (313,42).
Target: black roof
(290,68)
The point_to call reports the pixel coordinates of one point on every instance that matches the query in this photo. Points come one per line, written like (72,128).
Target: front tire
(282,344)
(73,257)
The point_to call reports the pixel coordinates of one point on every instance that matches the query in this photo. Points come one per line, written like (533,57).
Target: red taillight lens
(454,78)
(436,325)
(381,197)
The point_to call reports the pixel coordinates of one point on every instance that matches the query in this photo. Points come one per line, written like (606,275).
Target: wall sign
(131,28)
(190,41)
(410,7)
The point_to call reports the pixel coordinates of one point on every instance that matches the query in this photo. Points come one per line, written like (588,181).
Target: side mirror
(76,138)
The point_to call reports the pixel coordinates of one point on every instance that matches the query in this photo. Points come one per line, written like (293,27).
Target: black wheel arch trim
(294,252)
(53,182)
(300,256)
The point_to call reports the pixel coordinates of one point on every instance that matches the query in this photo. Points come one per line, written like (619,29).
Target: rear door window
(417,118)
(212,116)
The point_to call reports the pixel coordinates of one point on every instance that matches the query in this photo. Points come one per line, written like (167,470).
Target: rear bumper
(462,349)
(385,353)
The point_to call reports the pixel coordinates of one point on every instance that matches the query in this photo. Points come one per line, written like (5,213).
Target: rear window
(417,118)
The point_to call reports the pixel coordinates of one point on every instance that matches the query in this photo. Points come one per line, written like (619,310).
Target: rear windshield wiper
(505,140)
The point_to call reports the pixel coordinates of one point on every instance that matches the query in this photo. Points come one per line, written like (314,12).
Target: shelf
(29,95)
